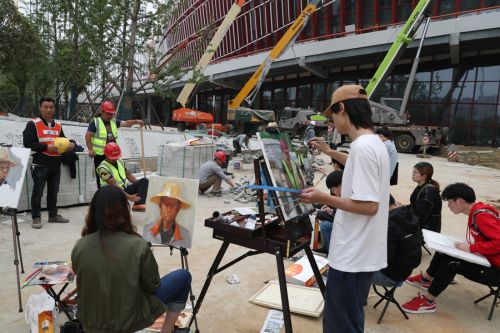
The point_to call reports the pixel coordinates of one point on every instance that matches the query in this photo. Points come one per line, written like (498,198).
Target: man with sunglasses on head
(358,246)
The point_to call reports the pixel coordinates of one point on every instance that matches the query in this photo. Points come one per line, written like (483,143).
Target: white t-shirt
(359,242)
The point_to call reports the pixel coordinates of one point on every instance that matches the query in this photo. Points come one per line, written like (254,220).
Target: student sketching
(359,237)
(166,230)
(326,214)
(483,237)
(425,199)
(119,287)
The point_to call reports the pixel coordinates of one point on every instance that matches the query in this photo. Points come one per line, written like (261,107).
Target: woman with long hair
(425,199)
(119,286)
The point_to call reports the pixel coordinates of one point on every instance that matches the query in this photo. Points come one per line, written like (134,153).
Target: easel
(279,238)
(18,257)
(184,265)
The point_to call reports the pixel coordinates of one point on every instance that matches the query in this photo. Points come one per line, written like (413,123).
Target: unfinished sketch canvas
(13,164)
(170,211)
(284,168)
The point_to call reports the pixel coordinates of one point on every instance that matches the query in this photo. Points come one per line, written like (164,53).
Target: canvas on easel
(284,170)
(13,165)
(170,211)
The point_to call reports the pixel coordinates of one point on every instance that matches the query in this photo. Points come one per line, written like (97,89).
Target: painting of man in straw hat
(13,164)
(173,219)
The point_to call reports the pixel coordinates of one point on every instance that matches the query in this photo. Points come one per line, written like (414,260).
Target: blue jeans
(325,227)
(174,290)
(380,279)
(346,294)
(45,175)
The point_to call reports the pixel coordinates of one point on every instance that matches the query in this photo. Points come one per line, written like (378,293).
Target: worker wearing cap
(104,129)
(211,174)
(39,136)
(358,246)
(112,172)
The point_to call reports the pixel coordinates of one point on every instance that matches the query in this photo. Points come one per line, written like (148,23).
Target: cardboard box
(301,273)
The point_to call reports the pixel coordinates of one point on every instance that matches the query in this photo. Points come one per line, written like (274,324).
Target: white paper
(446,244)
(274,322)
(246,210)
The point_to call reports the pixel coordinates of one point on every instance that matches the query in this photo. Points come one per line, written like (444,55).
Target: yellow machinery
(252,86)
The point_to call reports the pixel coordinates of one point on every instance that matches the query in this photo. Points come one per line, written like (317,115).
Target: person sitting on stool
(211,173)
(119,286)
(404,240)
(112,172)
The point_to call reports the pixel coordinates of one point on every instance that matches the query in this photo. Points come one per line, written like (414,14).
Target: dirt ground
(226,307)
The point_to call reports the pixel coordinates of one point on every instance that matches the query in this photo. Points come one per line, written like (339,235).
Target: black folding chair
(388,296)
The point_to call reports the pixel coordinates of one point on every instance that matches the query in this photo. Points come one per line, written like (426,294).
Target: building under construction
(457,84)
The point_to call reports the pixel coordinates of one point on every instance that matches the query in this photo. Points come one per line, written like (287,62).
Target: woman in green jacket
(119,287)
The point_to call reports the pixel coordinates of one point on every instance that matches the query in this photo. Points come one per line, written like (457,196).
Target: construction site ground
(226,307)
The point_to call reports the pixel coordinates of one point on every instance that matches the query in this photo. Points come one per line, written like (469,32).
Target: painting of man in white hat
(172,224)
(5,164)
(13,164)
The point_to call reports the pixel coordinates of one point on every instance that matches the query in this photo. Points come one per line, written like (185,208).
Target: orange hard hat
(112,151)
(220,155)
(108,107)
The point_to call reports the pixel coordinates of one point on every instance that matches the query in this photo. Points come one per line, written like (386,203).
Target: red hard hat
(220,155)
(108,107)
(112,151)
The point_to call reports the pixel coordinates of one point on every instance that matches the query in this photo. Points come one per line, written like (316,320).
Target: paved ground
(226,307)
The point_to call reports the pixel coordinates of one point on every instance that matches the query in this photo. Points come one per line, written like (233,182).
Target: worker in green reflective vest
(112,172)
(104,129)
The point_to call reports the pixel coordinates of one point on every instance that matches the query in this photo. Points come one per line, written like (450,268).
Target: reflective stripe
(100,136)
(47,134)
(119,175)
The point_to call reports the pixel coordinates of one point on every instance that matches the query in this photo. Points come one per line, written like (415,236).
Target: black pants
(443,269)
(45,175)
(237,147)
(346,293)
(97,160)
(140,188)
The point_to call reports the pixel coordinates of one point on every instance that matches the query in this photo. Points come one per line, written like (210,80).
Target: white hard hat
(312,122)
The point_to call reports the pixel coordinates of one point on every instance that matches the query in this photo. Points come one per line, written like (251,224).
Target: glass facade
(464,98)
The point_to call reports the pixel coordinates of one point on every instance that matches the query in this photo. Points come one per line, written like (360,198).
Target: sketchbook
(446,244)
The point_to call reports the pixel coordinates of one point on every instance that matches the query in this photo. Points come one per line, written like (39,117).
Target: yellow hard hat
(62,144)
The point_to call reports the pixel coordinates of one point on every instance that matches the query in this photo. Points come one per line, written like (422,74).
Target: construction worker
(104,129)
(309,132)
(112,172)
(211,173)
(39,136)
(241,142)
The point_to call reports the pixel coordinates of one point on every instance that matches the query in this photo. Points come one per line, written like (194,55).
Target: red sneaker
(418,281)
(419,304)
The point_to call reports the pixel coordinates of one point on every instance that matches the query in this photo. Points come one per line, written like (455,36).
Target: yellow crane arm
(253,84)
(211,49)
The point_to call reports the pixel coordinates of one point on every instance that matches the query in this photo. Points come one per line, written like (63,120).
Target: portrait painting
(13,164)
(285,171)
(170,211)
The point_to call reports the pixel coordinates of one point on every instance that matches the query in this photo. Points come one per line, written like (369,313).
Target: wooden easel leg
(211,273)
(283,290)
(17,247)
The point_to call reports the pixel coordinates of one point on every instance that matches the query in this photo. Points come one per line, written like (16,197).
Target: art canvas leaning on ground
(170,207)
(13,164)
(284,168)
